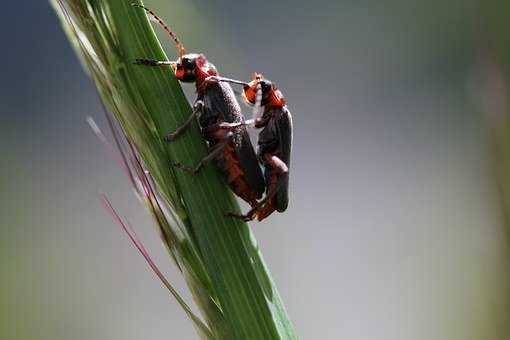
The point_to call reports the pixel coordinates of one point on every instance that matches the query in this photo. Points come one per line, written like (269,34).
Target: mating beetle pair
(224,128)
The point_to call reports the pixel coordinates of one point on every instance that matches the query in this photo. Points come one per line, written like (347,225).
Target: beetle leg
(277,164)
(213,79)
(215,152)
(197,109)
(250,215)
(230,125)
(249,122)
(153,62)
(281,168)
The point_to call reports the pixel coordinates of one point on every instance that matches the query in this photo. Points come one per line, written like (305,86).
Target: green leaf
(217,255)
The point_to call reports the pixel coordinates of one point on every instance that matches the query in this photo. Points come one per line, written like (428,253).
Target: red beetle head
(190,67)
(270,95)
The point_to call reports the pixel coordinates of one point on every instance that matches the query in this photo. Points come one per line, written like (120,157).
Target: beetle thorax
(203,70)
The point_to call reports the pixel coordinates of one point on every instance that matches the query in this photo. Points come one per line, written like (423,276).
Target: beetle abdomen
(235,175)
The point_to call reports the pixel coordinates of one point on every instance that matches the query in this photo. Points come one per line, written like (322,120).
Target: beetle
(215,104)
(274,142)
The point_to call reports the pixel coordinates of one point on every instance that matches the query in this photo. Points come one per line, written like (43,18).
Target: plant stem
(149,103)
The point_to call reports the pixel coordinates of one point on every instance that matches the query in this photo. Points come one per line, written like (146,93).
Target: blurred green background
(395,230)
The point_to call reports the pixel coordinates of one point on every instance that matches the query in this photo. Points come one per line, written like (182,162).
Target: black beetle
(274,143)
(215,105)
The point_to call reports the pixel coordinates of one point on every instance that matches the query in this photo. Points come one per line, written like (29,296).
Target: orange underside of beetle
(236,178)
(270,206)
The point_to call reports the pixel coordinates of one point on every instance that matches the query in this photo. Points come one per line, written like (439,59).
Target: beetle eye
(188,63)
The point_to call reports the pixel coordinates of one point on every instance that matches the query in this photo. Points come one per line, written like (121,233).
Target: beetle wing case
(220,105)
(284,131)
(250,164)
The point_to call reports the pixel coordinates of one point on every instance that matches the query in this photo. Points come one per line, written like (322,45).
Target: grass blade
(218,256)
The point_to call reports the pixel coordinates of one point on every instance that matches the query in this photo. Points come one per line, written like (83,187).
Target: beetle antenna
(154,17)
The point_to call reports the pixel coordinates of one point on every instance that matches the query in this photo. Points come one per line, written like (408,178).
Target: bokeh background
(395,231)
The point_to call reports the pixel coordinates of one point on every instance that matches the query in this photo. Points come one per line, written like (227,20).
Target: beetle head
(185,67)
(191,66)
(270,95)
